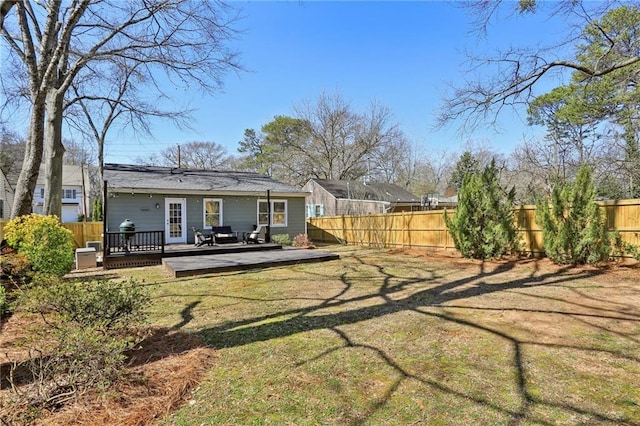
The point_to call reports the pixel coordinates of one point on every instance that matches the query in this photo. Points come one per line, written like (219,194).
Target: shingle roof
(153,178)
(71,175)
(357,190)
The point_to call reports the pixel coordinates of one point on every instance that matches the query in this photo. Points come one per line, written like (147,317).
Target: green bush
(44,241)
(483,225)
(282,239)
(574,230)
(88,327)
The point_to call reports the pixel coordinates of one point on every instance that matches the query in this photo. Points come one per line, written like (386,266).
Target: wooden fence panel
(427,229)
(624,217)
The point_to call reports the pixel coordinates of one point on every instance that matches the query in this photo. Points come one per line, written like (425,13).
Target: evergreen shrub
(574,230)
(483,225)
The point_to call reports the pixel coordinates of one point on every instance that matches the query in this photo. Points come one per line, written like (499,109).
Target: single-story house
(176,200)
(337,197)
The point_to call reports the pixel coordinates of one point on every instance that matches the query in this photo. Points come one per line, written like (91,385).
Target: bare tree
(56,42)
(121,103)
(392,162)
(508,78)
(344,144)
(11,151)
(196,155)
(432,172)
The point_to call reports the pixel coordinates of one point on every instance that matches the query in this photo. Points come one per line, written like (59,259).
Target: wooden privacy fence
(82,231)
(427,229)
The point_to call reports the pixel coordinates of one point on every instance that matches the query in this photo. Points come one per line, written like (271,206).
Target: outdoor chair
(223,234)
(201,239)
(254,236)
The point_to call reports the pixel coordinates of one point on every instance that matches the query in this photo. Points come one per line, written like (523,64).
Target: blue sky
(399,54)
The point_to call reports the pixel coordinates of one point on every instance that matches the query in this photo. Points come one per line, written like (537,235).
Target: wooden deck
(187,259)
(243,260)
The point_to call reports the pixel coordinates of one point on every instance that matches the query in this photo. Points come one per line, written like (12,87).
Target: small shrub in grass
(44,241)
(622,248)
(303,241)
(282,239)
(81,344)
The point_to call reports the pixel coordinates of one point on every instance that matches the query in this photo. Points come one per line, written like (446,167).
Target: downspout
(267,234)
(104,224)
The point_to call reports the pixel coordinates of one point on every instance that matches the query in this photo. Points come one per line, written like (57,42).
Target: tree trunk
(54,152)
(23,199)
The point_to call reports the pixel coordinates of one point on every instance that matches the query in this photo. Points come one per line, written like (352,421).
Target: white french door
(175,215)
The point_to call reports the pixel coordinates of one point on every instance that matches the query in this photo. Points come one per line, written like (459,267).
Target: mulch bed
(160,377)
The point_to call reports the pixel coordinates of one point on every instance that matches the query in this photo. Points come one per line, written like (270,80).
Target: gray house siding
(296,221)
(320,197)
(337,197)
(332,206)
(239,212)
(138,208)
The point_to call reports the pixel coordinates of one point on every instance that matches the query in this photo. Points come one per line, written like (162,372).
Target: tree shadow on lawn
(393,298)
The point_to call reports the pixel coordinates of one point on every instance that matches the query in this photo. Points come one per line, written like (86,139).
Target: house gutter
(204,192)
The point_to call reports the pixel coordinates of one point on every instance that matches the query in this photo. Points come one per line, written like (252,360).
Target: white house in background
(6,197)
(75,190)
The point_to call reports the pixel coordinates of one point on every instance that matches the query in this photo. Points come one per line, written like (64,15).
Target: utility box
(86,258)
(95,244)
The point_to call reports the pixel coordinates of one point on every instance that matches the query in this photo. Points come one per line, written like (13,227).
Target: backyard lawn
(398,338)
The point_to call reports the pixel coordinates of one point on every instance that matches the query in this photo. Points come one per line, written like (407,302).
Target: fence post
(404,229)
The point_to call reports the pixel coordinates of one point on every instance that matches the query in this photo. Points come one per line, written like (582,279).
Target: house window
(69,194)
(41,192)
(1,208)
(278,213)
(212,212)
(315,210)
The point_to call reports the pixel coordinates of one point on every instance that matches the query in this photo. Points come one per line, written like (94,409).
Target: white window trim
(204,211)
(286,212)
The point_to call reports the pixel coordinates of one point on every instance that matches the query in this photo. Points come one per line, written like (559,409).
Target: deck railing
(138,242)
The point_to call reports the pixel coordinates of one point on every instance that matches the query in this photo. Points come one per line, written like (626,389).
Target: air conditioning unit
(97,245)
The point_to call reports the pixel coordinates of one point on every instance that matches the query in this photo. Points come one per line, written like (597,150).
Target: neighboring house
(6,197)
(75,187)
(336,197)
(446,203)
(176,200)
